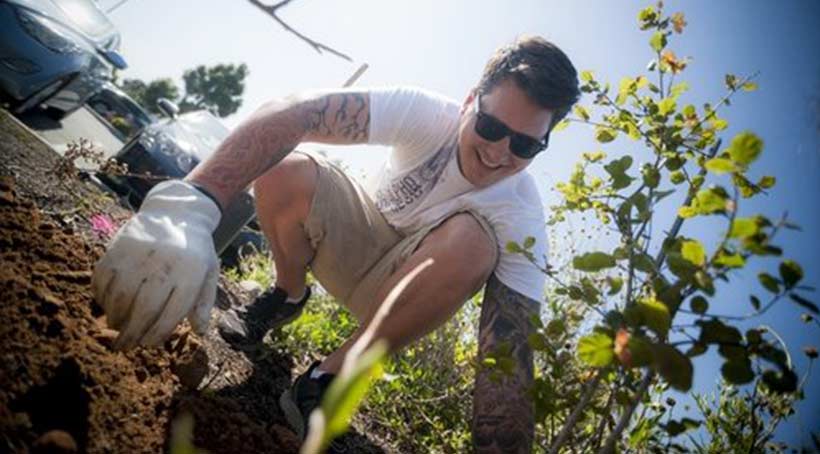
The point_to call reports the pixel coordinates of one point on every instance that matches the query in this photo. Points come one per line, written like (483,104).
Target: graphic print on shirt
(407,190)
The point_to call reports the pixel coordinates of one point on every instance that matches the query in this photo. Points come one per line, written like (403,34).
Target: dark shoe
(249,323)
(305,395)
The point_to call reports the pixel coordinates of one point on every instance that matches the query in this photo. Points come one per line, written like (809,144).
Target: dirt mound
(57,371)
(62,387)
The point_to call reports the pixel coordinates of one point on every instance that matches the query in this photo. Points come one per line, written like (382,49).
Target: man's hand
(503,413)
(160,267)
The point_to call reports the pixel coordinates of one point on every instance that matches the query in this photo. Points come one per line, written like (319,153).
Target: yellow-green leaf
(587,76)
(658,41)
(596,350)
(666,105)
(655,315)
(743,227)
(749,86)
(581,112)
(745,148)
(720,166)
(561,125)
(693,251)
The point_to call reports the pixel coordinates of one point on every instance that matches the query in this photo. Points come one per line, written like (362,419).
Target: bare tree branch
(271,11)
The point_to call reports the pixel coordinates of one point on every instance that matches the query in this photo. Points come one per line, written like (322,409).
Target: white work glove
(160,267)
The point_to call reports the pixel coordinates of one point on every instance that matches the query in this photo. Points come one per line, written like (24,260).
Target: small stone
(250,287)
(55,442)
(106,337)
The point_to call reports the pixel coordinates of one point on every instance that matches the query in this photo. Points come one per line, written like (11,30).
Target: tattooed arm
(274,130)
(502,412)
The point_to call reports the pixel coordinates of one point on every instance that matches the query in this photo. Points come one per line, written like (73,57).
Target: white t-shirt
(422,184)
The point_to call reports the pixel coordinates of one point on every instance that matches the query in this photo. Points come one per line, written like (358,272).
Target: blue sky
(443,46)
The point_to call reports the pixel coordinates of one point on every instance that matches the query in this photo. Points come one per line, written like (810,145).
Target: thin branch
(609,444)
(566,431)
(317,46)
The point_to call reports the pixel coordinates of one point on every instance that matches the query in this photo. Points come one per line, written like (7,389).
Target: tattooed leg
(503,415)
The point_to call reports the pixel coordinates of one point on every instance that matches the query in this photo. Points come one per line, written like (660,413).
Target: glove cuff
(182,200)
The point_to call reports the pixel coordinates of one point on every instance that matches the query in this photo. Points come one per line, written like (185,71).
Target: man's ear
(468,101)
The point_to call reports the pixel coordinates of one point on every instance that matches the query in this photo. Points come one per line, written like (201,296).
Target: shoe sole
(292,414)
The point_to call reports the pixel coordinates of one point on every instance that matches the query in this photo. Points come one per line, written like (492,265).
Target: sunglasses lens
(489,128)
(524,147)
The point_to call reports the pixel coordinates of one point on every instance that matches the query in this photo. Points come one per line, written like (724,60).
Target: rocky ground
(62,387)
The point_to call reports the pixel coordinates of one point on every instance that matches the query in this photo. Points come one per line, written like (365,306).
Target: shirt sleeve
(411,120)
(517,222)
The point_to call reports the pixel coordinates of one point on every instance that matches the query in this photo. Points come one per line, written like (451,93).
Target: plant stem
(566,431)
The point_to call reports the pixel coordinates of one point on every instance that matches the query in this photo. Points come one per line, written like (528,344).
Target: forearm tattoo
(503,414)
(271,133)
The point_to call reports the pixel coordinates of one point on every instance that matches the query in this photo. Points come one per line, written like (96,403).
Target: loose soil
(63,388)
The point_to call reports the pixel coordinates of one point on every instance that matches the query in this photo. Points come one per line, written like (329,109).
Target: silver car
(55,53)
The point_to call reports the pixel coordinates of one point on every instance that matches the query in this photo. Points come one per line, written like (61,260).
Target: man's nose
(499,151)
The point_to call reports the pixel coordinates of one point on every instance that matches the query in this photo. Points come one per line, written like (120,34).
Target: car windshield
(87,17)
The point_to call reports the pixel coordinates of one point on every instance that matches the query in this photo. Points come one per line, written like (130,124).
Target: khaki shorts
(356,250)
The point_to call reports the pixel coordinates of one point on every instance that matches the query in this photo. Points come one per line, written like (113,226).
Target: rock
(251,287)
(106,337)
(55,442)
(192,371)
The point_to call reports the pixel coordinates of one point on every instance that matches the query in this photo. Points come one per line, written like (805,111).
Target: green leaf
(769,282)
(678,89)
(655,315)
(658,41)
(346,392)
(697,350)
(587,76)
(745,148)
(675,428)
(755,301)
(738,371)
(604,135)
(514,248)
(791,272)
(581,111)
(593,261)
(720,166)
(716,332)
(699,305)
(804,302)
(651,176)
(693,251)
(743,227)
(646,17)
(555,327)
(767,182)
(749,86)
(782,382)
(596,350)
(561,125)
(673,366)
(710,200)
(666,105)
(615,284)
(730,260)
(529,242)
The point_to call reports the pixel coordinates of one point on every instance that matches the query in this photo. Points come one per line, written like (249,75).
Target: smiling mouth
(484,162)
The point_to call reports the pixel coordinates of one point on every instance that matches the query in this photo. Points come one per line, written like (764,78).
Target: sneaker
(302,398)
(249,323)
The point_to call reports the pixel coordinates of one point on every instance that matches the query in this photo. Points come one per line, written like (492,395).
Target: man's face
(483,162)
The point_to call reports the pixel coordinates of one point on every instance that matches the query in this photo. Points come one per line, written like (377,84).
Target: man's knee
(291,181)
(471,249)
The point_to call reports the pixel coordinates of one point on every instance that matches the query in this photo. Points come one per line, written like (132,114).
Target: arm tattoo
(265,138)
(339,118)
(503,414)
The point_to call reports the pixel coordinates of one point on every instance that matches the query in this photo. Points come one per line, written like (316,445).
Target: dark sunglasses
(492,129)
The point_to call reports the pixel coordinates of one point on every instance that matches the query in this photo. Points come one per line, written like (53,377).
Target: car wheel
(41,96)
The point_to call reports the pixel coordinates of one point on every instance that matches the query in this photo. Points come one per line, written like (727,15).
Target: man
(454,190)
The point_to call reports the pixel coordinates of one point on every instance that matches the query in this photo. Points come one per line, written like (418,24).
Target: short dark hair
(539,68)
